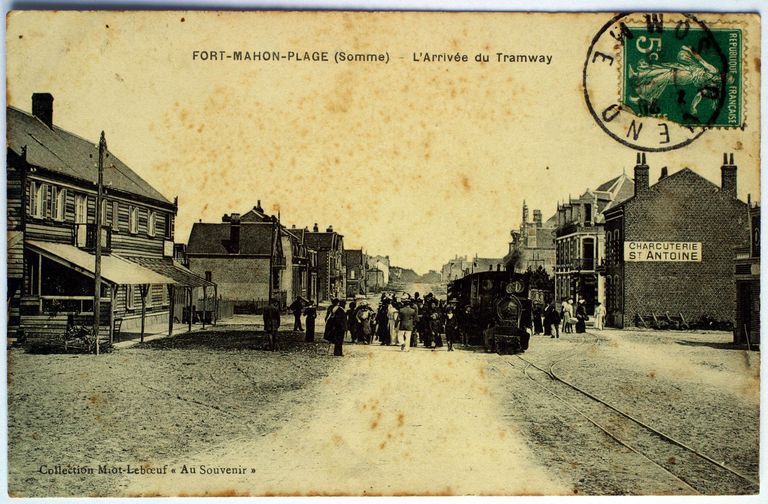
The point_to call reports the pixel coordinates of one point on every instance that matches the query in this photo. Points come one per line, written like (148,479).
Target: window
(209,276)
(133,219)
(351,274)
(587,214)
(37,193)
(104,220)
(81,209)
(115,215)
(151,222)
(168,226)
(58,197)
(129,294)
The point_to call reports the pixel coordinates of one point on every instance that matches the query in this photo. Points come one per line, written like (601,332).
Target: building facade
(533,244)
(747,270)
(670,248)
(355,265)
(299,279)
(378,263)
(245,259)
(579,241)
(455,268)
(52,177)
(331,277)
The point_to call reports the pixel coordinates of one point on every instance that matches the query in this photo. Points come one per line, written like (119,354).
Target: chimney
(258,207)
(728,171)
(315,229)
(641,174)
(329,229)
(234,233)
(525,213)
(42,108)
(664,173)
(537,218)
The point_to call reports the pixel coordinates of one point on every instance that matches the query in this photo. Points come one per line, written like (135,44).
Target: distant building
(331,276)
(300,279)
(486,264)
(579,242)
(380,263)
(355,264)
(455,268)
(533,244)
(670,247)
(747,269)
(245,259)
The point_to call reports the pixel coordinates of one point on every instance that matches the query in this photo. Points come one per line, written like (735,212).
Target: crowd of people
(409,321)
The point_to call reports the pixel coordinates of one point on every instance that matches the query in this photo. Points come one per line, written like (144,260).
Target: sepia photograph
(349,253)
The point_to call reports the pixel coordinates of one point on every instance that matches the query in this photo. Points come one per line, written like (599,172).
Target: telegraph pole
(97,245)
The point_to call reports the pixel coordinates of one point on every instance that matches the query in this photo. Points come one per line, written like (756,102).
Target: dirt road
(243,421)
(387,422)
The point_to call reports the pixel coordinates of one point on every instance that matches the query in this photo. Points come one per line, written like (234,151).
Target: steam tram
(494,309)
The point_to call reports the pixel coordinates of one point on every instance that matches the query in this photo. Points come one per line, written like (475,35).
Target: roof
(63,152)
(353,256)
(171,269)
(255,239)
(114,269)
(685,172)
(606,186)
(320,240)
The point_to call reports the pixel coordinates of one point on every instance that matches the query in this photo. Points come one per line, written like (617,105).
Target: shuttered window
(115,215)
(81,209)
(151,223)
(133,220)
(58,197)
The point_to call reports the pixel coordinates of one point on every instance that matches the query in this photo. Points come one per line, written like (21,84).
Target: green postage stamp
(687,74)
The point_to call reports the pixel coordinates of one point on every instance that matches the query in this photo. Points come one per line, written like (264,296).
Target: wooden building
(51,191)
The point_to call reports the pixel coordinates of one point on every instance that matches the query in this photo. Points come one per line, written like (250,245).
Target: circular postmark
(657,82)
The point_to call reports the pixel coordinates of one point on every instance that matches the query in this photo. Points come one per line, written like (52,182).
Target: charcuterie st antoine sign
(653,251)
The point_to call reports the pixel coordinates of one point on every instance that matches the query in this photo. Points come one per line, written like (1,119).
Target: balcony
(84,237)
(577,227)
(584,265)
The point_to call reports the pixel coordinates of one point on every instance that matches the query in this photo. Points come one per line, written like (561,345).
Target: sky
(417,160)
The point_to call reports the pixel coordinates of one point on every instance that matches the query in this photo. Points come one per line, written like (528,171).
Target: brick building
(331,278)
(670,247)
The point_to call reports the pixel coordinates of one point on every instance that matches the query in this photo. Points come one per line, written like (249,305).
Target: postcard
(330,253)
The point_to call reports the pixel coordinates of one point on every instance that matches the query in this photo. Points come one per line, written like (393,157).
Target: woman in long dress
(392,316)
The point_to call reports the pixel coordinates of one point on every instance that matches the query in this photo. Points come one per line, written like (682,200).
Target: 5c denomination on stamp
(656,82)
